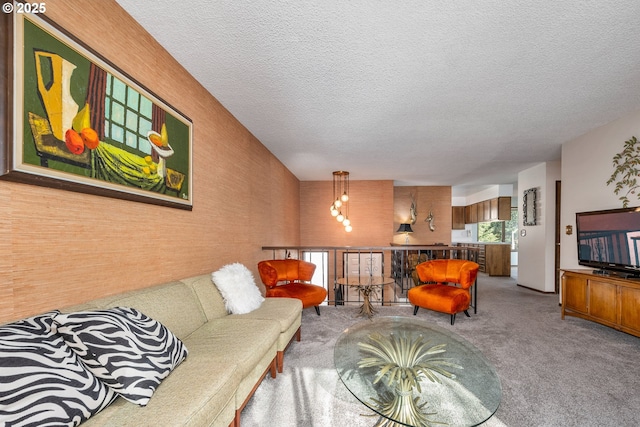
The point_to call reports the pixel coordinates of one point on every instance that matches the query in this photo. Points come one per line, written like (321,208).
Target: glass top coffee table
(415,373)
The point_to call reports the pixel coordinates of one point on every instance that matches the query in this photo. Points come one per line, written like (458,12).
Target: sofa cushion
(208,294)
(198,393)
(285,311)
(126,349)
(42,382)
(238,288)
(231,337)
(173,304)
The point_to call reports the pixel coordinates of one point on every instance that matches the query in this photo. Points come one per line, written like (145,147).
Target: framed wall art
(529,207)
(75,121)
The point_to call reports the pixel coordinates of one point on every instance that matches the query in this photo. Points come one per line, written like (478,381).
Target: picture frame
(73,120)
(529,207)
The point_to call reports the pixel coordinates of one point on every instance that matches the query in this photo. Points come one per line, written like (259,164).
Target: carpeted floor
(553,372)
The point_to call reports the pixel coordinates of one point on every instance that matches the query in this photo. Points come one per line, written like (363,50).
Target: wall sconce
(406,229)
(341,199)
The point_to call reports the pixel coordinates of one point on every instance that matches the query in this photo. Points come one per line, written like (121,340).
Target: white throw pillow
(238,288)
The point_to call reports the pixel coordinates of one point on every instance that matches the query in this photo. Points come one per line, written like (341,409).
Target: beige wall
(586,167)
(59,248)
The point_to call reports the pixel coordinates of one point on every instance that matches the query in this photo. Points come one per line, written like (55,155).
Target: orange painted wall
(59,248)
(436,199)
(377,209)
(370,212)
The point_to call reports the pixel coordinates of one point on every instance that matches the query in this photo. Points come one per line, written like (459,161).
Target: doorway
(557,234)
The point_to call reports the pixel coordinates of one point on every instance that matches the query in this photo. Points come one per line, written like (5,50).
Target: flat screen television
(609,241)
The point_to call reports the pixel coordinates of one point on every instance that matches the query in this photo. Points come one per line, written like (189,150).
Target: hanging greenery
(626,172)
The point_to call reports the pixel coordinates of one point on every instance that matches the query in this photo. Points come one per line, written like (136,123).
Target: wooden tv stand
(607,299)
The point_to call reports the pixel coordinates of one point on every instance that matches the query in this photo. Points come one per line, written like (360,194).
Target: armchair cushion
(284,278)
(458,271)
(442,298)
(437,295)
(285,270)
(310,295)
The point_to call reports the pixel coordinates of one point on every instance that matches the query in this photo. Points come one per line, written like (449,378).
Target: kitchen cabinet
(494,258)
(471,214)
(498,259)
(486,210)
(496,209)
(457,217)
(504,208)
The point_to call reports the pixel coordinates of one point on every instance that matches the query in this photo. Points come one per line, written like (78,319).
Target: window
(491,231)
(127,115)
(511,230)
(500,231)
(321,260)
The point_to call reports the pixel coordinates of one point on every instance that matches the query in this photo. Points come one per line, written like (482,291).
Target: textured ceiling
(423,92)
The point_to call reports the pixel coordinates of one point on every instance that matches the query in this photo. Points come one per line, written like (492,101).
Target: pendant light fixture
(341,199)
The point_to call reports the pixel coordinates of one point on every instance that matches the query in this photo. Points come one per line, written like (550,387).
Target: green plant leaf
(626,171)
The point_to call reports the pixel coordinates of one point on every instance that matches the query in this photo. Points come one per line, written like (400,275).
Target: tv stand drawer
(609,300)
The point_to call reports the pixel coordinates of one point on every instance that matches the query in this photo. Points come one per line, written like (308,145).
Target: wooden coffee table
(366,285)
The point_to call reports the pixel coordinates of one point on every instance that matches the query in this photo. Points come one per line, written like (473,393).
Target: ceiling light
(341,199)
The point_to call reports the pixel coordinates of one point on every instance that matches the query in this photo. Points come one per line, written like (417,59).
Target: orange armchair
(437,295)
(283,279)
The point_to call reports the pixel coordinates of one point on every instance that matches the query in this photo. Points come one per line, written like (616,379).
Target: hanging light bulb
(341,199)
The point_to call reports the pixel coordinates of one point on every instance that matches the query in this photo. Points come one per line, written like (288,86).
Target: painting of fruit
(84,122)
(156,139)
(82,119)
(90,138)
(74,141)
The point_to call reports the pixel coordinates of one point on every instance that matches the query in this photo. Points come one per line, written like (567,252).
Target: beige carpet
(309,391)
(553,372)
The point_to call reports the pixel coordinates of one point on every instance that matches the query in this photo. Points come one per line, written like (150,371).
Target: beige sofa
(229,355)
